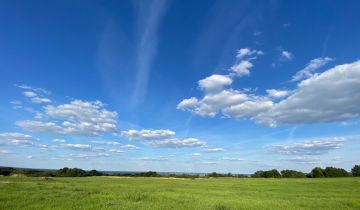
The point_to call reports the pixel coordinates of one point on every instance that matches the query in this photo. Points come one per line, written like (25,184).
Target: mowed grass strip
(160,193)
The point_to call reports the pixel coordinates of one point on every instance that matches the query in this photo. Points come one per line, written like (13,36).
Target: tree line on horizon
(317,172)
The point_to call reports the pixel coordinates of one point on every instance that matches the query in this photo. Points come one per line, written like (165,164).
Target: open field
(158,193)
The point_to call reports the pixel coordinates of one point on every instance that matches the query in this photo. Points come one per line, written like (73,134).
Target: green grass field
(158,193)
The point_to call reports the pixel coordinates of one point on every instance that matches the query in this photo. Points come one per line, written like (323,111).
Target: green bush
(258,174)
(267,174)
(336,172)
(317,172)
(355,171)
(94,173)
(292,174)
(7,171)
(71,172)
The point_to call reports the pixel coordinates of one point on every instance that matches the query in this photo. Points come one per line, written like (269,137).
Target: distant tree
(94,173)
(355,171)
(213,174)
(267,174)
(70,172)
(272,174)
(258,174)
(241,176)
(148,174)
(6,171)
(336,172)
(317,172)
(292,174)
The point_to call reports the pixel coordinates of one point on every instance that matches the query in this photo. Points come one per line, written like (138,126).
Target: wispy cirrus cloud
(153,159)
(211,150)
(59,140)
(29,88)
(150,14)
(36,95)
(233,159)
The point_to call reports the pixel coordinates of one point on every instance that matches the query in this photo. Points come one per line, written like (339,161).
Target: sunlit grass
(157,193)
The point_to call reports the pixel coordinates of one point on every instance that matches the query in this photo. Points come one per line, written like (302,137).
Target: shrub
(258,174)
(94,173)
(267,174)
(148,174)
(355,171)
(336,172)
(292,174)
(71,172)
(7,171)
(317,172)
(213,174)
(272,174)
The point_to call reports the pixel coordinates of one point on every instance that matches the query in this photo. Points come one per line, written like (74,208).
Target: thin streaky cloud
(150,16)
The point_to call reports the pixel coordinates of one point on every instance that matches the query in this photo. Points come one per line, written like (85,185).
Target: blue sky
(166,85)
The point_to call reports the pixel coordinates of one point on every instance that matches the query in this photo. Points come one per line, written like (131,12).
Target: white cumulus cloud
(145,134)
(331,96)
(273,93)
(75,118)
(176,143)
(242,69)
(312,147)
(215,82)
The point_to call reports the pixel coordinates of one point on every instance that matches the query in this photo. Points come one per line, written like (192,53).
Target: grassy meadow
(161,193)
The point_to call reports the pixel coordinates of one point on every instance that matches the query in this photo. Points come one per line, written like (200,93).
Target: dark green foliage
(183,176)
(7,171)
(258,174)
(317,173)
(94,173)
(71,172)
(355,171)
(148,174)
(267,174)
(242,176)
(329,172)
(37,173)
(336,172)
(272,174)
(214,174)
(292,174)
